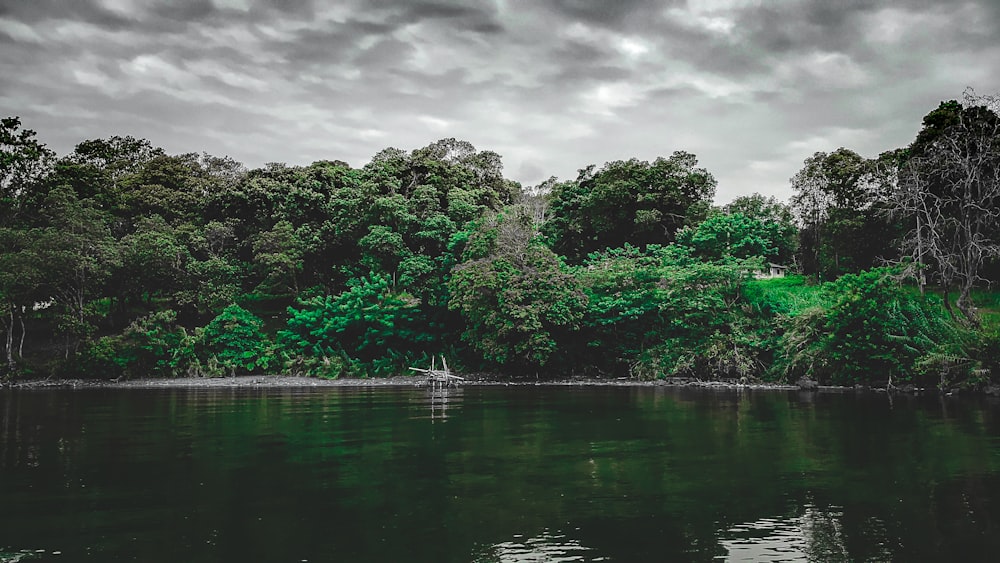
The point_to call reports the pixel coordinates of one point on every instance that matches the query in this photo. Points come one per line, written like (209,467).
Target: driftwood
(440,378)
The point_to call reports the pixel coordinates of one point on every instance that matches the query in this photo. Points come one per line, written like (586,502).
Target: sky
(752,87)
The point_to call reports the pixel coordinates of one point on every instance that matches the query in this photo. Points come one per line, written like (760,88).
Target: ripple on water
(814,536)
(547,547)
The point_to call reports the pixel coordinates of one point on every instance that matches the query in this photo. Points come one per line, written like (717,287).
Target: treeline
(121,260)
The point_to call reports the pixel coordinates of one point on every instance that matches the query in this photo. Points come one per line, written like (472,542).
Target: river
(496,474)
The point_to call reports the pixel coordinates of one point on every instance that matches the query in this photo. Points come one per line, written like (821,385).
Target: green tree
(777,218)
(278,258)
(368,329)
(24,163)
(633,201)
(153,263)
(519,301)
(844,225)
(661,312)
(79,254)
(101,169)
(872,328)
(731,235)
(235,340)
(24,166)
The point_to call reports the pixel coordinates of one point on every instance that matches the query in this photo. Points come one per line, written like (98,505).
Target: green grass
(988,302)
(789,295)
(793,294)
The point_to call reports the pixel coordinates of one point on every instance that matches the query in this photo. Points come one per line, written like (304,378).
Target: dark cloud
(89,11)
(618,14)
(752,87)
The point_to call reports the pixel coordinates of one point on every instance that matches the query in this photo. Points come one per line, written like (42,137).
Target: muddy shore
(262,381)
(479,380)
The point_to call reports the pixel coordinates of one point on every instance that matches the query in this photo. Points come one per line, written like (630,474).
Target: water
(498,474)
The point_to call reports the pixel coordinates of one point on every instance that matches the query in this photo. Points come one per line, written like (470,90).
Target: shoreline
(301,382)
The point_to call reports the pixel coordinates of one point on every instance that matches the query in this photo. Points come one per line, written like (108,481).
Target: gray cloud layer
(751,86)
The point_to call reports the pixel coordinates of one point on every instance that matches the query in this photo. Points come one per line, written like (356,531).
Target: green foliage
(731,235)
(24,162)
(778,222)
(661,312)
(210,285)
(234,340)
(519,307)
(872,329)
(151,346)
(627,202)
(788,295)
(349,334)
(128,260)
(838,202)
(278,258)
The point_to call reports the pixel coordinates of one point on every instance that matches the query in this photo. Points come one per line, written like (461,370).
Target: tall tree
(631,201)
(730,235)
(843,228)
(79,253)
(24,162)
(951,185)
(24,166)
(519,301)
(777,219)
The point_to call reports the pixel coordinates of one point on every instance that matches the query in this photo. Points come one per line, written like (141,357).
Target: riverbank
(278,381)
(262,381)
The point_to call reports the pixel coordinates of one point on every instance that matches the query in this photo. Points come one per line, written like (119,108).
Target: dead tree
(950,188)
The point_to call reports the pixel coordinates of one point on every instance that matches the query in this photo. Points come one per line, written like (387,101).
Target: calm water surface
(495,474)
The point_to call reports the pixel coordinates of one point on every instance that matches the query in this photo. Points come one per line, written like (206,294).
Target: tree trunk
(967,307)
(921,278)
(20,345)
(10,341)
(947,301)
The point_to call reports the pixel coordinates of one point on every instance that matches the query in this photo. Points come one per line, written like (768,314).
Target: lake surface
(496,474)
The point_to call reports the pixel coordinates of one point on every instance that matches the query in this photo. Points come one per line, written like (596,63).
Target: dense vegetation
(121,260)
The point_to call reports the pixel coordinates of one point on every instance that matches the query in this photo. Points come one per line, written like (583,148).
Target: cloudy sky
(750,86)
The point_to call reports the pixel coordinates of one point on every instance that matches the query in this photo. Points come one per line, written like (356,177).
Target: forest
(122,261)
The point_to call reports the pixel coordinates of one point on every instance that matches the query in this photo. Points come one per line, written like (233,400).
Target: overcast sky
(752,87)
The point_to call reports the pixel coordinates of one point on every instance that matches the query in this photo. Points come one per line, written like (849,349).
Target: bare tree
(950,187)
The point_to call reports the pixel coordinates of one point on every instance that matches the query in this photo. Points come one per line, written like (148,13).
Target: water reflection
(439,401)
(629,475)
(546,547)
(816,535)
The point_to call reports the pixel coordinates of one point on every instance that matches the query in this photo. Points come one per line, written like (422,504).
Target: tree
(731,235)
(950,184)
(633,202)
(777,219)
(418,201)
(659,311)
(843,228)
(21,275)
(79,254)
(24,162)
(234,339)
(519,301)
(153,262)
(24,166)
(369,328)
(278,256)
(101,169)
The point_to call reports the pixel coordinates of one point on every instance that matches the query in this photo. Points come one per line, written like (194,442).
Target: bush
(235,341)
(370,329)
(873,331)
